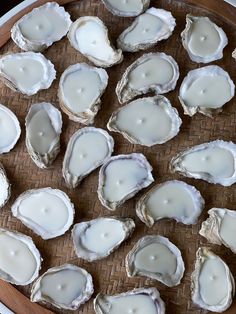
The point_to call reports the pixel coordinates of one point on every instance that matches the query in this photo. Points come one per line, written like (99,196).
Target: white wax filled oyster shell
(43,129)
(143,300)
(41,27)
(9,129)
(153,72)
(146,30)
(212,284)
(83,156)
(203,39)
(121,177)
(98,238)
(80,89)
(5,186)
(89,36)
(26,72)
(157,258)
(171,199)
(20,260)
(49,288)
(48,212)
(206,90)
(213,162)
(126,8)
(146,121)
(220,227)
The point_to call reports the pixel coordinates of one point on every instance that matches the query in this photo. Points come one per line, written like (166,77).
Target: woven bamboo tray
(109,274)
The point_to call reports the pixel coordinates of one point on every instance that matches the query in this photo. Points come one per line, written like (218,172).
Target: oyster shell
(43,129)
(9,129)
(98,238)
(26,72)
(208,42)
(206,90)
(142,76)
(146,30)
(48,212)
(234,54)
(82,144)
(149,302)
(80,89)
(5,187)
(49,287)
(41,27)
(18,269)
(89,36)
(213,162)
(141,260)
(219,228)
(212,284)
(123,176)
(146,121)
(171,199)
(126,8)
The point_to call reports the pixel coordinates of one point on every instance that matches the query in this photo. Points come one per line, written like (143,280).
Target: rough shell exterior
(193,75)
(116,11)
(79,229)
(39,45)
(202,255)
(172,112)
(140,159)
(125,92)
(176,163)
(72,181)
(5,187)
(146,217)
(169,280)
(37,296)
(117,58)
(49,73)
(102,301)
(190,19)
(85,117)
(164,33)
(32,248)
(45,160)
(42,232)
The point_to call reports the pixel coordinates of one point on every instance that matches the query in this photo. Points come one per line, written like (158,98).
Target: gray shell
(164,33)
(5,187)
(80,229)
(116,11)
(126,93)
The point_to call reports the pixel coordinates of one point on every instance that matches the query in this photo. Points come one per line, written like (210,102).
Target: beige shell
(234,54)
(141,103)
(25,240)
(80,233)
(102,302)
(28,43)
(137,160)
(86,43)
(214,229)
(85,116)
(125,92)
(49,73)
(138,28)
(169,280)
(43,155)
(186,36)
(38,296)
(118,7)
(177,162)
(36,226)
(212,71)
(74,179)
(146,216)
(202,256)
(5,187)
